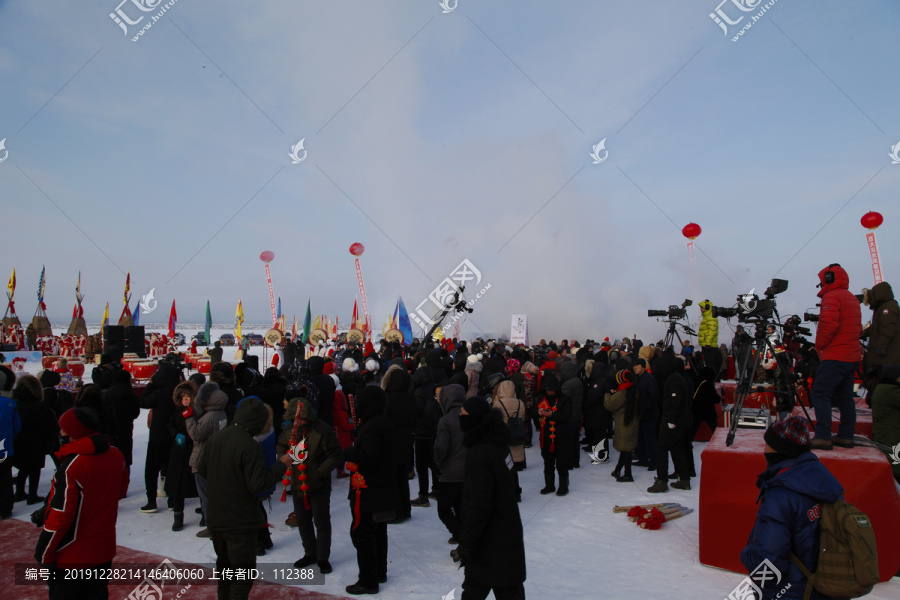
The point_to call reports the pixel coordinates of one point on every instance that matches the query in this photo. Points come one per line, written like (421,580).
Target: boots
(627,476)
(178,525)
(659,485)
(563,484)
(549,488)
(682,484)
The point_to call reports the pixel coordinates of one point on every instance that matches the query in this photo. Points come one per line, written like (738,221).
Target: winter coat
(80,518)
(559,421)
(708,334)
(530,374)
(325,384)
(449,453)
(208,418)
(572,387)
(10,426)
(126,405)
(491,540)
(510,406)
(158,397)
(676,400)
(837,336)
(884,338)
(649,389)
(886,418)
(400,408)
(788,491)
(625,437)
(234,468)
(703,405)
(38,433)
(373,452)
(473,376)
(343,423)
(267,442)
(494,364)
(428,411)
(598,386)
(180,482)
(323,453)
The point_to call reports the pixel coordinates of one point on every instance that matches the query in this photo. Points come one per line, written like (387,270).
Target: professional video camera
(674,312)
(751,307)
(810,317)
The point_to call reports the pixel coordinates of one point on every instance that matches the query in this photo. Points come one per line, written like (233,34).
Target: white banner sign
(519,330)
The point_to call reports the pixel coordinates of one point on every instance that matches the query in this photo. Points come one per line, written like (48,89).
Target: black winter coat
(491,541)
(595,414)
(676,398)
(400,408)
(180,482)
(373,451)
(39,431)
(884,345)
(428,411)
(158,397)
(122,398)
(325,384)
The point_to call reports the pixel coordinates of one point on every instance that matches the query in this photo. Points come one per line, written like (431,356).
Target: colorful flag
(405,326)
(105,320)
(78,295)
(11,286)
(294,329)
(395,320)
(41,285)
(278,314)
(387,326)
(127,288)
(238,321)
(208,324)
(334,330)
(307,325)
(354,322)
(173,318)
(136,315)
(317,322)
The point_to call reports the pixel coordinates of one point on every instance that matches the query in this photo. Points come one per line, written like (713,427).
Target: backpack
(516,427)
(848,556)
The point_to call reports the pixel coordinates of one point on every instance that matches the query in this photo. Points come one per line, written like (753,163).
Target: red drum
(48,361)
(128,363)
(144,370)
(204,365)
(76,367)
(760,400)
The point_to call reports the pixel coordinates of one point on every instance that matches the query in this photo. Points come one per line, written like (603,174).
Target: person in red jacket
(837,344)
(80,520)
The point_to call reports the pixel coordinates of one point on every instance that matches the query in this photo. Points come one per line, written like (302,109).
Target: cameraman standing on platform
(708,337)
(837,344)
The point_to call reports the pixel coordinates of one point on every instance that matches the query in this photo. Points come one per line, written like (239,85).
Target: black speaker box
(134,340)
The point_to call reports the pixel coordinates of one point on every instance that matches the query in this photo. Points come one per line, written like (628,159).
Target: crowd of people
(455,418)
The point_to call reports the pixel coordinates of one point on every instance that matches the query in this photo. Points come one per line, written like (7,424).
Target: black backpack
(516,427)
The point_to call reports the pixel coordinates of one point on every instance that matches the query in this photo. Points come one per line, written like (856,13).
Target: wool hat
(79,423)
(789,437)
(349,365)
(640,361)
(329,368)
(372,365)
(476,406)
(624,376)
(552,355)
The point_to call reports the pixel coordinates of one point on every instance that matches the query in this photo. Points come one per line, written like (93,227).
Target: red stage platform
(863,418)
(728,496)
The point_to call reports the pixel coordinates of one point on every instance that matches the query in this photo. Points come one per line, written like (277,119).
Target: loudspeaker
(113,339)
(134,340)
(252,361)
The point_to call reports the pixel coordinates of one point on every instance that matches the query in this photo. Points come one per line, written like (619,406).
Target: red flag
(173,318)
(355,320)
(75,312)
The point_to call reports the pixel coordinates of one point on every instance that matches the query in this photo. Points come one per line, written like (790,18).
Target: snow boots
(178,525)
(659,485)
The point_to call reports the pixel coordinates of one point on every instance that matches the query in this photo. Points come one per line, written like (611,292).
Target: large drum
(48,361)
(76,367)
(144,370)
(128,364)
(204,365)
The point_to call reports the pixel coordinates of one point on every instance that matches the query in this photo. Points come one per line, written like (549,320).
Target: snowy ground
(576,547)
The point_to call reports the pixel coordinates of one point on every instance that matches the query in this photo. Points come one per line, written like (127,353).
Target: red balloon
(691,231)
(267,256)
(872,220)
(357,249)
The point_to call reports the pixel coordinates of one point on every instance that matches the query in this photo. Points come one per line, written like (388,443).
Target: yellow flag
(127,288)
(387,325)
(105,321)
(11,286)
(238,321)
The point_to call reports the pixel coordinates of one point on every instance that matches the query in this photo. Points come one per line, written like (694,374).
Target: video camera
(810,317)
(751,307)
(674,312)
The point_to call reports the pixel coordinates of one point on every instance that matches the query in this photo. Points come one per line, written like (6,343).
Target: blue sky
(435,137)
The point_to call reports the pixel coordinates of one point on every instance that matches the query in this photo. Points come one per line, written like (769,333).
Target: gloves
(671,425)
(179,439)
(188,412)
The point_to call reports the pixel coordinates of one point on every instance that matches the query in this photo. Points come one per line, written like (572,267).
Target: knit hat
(512,366)
(624,376)
(476,406)
(79,423)
(789,437)
(329,368)
(552,355)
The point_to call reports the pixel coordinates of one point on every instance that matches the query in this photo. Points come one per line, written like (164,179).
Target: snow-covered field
(576,547)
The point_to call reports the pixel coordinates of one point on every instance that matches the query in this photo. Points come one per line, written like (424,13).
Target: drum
(356,336)
(318,335)
(394,335)
(76,367)
(273,336)
(204,365)
(48,361)
(128,364)
(144,370)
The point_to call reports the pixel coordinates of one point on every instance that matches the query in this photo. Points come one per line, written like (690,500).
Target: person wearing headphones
(838,347)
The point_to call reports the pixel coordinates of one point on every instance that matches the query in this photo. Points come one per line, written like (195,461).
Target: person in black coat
(703,409)
(555,412)
(158,398)
(223,375)
(325,384)
(91,396)
(400,408)
(491,543)
(646,448)
(274,385)
(597,420)
(124,402)
(428,413)
(372,455)
(39,432)
(180,482)
(676,421)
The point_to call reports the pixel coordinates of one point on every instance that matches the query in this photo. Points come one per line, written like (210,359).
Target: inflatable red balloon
(691,231)
(357,249)
(267,256)
(872,220)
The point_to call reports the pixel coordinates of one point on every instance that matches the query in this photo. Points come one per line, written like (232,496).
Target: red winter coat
(343,425)
(80,522)
(840,320)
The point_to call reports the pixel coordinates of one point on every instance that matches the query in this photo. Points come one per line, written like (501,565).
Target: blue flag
(136,314)
(403,323)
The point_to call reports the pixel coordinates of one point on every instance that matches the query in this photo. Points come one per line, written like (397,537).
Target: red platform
(728,496)
(863,418)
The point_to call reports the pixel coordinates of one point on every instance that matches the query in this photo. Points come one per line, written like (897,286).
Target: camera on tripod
(751,307)
(810,317)
(674,312)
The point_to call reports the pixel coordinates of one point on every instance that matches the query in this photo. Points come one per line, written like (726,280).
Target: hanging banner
(362,290)
(873,252)
(271,295)
(519,330)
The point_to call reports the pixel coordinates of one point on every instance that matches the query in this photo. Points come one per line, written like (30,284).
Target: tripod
(672,334)
(761,343)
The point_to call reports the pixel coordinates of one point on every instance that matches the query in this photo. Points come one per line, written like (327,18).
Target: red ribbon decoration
(358,482)
(637,512)
(653,519)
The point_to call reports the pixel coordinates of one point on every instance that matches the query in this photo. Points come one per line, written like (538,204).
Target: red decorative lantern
(267,256)
(691,231)
(356,249)
(872,220)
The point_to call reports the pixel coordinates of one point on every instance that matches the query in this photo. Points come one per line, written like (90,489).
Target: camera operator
(838,347)
(884,340)
(708,337)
